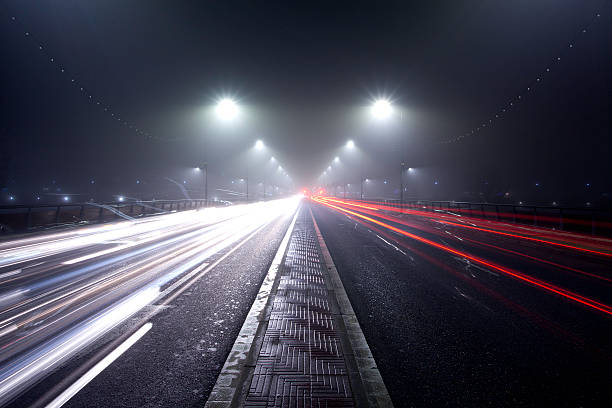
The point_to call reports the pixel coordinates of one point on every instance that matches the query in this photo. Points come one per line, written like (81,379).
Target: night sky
(305,74)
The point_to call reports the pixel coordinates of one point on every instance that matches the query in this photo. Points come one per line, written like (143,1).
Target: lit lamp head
(226,109)
(381,109)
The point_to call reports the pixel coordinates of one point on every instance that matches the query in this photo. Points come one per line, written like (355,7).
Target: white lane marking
(473,265)
(462,294)
(393,246)
(48,355)
(99,367)
(453,235)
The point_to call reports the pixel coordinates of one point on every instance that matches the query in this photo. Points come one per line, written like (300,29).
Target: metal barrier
(20,218)
(585,220)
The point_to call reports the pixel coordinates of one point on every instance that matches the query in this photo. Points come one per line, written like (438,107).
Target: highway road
(457,311)
(146,310)
(466,312)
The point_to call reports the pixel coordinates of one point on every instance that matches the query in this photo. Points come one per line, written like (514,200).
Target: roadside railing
(21,218)
(585,220)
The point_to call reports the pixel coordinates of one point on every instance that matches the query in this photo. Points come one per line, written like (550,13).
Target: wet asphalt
(443,332)
(177,362)
(447,333)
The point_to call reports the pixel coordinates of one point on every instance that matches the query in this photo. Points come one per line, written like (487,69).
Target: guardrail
(585,220)
(21,218)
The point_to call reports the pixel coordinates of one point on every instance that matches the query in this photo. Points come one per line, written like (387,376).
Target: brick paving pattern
(300,363)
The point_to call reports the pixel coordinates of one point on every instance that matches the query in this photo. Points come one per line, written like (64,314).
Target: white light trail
(146,256)
(99,367)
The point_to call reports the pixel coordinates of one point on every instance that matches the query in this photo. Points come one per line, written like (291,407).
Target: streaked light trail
(505,270)
(61,292)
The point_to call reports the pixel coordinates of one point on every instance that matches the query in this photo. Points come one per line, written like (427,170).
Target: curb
(240,362)
(369,377)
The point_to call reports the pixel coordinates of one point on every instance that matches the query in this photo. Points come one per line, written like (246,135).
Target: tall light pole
(402,166)
(382,109)
(361,192)
(272,160)
(259,145)
(204,167)
(363,179)
(351,146)
(226,109)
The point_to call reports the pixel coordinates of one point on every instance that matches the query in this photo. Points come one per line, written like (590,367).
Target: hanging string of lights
(531,86)
(79,85)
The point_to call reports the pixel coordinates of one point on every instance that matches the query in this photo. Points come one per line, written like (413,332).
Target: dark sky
(305,73)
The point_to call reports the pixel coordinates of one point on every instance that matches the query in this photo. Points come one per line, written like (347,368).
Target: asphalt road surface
(449,331)
(457,312)
(177,286)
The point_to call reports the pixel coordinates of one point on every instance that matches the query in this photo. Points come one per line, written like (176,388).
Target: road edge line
(100,366)
(232,377)
(371,380)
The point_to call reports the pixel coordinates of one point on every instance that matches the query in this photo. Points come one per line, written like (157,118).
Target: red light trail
(506,271)
(444,220)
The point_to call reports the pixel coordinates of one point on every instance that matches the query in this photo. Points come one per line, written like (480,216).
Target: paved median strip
(301,343)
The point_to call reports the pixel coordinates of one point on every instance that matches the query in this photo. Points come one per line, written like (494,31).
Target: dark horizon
(305,75)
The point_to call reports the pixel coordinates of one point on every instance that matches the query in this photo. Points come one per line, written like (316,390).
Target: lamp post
(259,145)
(402,166)
(205,168)
(349,145)
(226,109)
(363,179)
(405,152)
(382,109)
(272,160)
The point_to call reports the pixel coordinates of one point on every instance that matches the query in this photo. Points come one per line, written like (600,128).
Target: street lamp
(363,179)
(259,146)
(351,146)
(227,109)
(381,109)
(265,175)
(204,167)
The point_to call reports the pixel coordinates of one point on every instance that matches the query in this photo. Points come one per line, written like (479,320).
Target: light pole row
(227,109)
(381,109)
